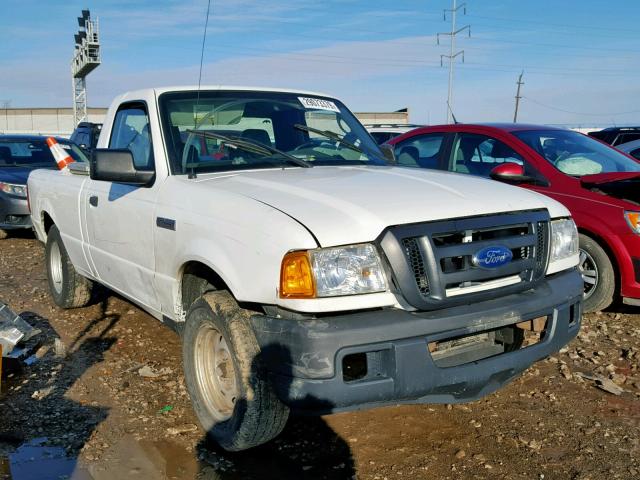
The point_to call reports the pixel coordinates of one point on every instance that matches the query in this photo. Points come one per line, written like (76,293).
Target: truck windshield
(576,154)
(34,153)
(236,130)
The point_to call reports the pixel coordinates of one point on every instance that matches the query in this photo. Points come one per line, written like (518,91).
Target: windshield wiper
(338,138)
(331,135)
(250,146)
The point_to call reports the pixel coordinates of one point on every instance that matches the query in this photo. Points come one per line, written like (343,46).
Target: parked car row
(19,155)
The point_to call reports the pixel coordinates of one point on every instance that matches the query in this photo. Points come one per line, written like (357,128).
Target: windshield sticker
(318,104)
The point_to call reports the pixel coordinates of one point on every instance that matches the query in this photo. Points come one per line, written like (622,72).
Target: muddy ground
(86,401)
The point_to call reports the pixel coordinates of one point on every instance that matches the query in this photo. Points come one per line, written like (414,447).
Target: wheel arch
(47,221)
(599,239)
(195,278)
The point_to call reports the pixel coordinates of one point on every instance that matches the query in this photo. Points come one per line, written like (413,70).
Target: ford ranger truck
(302,269)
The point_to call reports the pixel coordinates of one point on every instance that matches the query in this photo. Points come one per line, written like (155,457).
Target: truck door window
(478,154)
(131,132)
(422,151)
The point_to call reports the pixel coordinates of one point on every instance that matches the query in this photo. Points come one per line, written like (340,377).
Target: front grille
(433,262)
(414,257)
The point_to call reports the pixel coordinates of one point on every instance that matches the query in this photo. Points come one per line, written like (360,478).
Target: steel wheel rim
(215,373)
(55,267)
(589,271)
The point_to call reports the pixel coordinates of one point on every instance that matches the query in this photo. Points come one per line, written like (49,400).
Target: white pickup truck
(303,270)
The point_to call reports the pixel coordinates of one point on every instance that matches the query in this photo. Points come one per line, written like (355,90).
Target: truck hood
(15,175)
(342,205)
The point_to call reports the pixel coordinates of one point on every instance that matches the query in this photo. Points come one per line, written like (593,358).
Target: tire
(598,275)
(229,391)
(68,288)
(3,234)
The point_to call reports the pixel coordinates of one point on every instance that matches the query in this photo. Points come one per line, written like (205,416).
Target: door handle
(93,201)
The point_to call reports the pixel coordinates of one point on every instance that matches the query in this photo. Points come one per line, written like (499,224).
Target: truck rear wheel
(230,393)
(597,274)
(68,288)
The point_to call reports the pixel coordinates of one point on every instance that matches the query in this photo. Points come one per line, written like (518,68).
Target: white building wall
(43,121)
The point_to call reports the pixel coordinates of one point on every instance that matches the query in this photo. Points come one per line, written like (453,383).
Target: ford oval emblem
(492,257)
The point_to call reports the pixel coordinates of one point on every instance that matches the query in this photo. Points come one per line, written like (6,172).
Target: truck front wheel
(597,274)
(229,390)
(68,288)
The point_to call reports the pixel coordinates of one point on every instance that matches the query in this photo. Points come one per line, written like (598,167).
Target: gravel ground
(108,389)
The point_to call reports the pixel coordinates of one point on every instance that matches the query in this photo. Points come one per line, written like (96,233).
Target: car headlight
(12,189)
(330,272)
(563,251)
(633,219)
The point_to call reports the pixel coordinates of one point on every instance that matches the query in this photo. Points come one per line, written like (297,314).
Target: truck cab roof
(185,88)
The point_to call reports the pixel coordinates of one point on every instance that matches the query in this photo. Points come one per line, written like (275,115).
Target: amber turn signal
(296,278)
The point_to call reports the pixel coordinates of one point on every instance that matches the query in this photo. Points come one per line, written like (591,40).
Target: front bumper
(304,358)
(14,212)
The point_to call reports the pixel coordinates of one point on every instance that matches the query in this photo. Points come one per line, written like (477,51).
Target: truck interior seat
(176,138)
(460,161)
(257,135)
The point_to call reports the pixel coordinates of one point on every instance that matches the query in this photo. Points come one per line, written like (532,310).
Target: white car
(383,132)
(303,272)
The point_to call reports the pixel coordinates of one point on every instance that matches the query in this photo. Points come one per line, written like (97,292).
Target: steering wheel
(314,143)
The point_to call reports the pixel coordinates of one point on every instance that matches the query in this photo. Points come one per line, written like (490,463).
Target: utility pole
(452,45)
(518,97)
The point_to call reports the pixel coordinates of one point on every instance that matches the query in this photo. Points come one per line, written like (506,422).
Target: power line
(563,25)
(412,62)
(556,45)
(590,114)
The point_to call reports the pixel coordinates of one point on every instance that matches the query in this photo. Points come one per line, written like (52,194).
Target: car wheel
(229,391)
(68,288)
(597,274)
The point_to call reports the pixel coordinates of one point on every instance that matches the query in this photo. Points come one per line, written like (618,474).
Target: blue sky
(580,57)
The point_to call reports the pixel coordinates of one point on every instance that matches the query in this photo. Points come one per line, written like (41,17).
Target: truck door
(120,217)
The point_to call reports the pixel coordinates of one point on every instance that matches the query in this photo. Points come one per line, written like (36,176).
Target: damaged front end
(620,185)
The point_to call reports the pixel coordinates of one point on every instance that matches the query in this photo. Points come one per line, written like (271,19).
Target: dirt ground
(101,414)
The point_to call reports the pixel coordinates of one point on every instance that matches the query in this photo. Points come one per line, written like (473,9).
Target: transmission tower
(86,58)
(452,46)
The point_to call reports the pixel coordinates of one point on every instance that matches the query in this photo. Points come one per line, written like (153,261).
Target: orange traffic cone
(62,158)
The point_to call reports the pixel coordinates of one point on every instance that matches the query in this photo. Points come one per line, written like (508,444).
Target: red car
(597,183)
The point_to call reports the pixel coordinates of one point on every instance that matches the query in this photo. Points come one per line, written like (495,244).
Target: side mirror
(117,166)
(510,172)
(388,153)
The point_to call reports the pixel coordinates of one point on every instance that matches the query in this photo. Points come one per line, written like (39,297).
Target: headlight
(563,251)
(330,272)
(12,189)
(633,219)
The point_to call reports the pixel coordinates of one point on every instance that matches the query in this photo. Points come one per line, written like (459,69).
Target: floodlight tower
(86,58)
